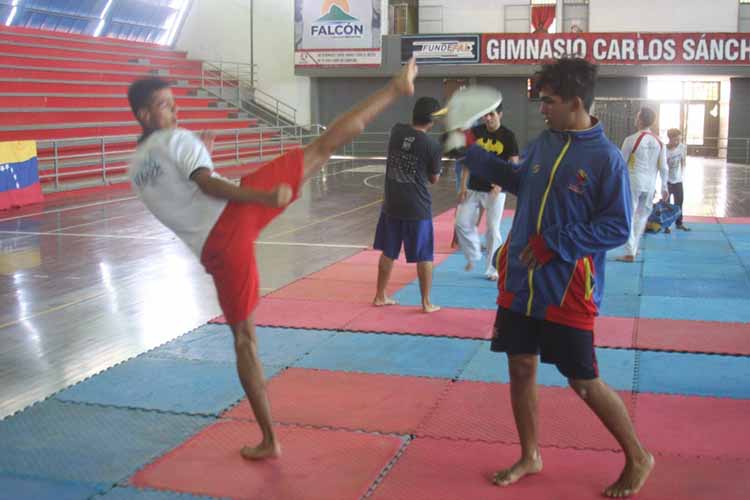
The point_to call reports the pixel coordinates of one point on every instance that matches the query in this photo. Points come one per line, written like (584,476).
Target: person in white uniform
(476,193)
(676,157)
(646,156)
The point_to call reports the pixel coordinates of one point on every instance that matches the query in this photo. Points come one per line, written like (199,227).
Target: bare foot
(631,480)
(469,266)
(626,258)
(430,308)
(523,467)
(385,301)
(261,452)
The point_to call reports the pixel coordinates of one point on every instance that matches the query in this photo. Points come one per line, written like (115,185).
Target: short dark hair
(647,116)
(140,92)
(674,132)
(423,109)
(569,77)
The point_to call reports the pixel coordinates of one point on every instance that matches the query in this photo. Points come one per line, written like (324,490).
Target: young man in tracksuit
(573,205)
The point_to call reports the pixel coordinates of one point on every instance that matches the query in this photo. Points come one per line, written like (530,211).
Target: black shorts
(570,349)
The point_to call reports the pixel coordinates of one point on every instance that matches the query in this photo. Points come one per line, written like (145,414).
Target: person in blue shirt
(573,205)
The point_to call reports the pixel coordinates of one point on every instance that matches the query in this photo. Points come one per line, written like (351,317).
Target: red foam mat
(694,336)
(356,401)
(610,331)
(703,219)
(710,427)
(448,470)
(330,290)
(319,314)
(734,220)
(316,464)
(371,258)
(480,411)
(365,273)
(463,323)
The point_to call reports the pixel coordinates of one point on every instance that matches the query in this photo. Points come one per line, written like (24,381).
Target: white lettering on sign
(620,48)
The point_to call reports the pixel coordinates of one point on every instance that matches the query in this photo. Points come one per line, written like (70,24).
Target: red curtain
(542,17)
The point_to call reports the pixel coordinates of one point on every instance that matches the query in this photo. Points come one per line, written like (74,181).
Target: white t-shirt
(160,175)
(675,159)
(649,159)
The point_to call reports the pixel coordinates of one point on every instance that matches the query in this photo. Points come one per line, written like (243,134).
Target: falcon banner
(19,176)
(619,48)
(337,33)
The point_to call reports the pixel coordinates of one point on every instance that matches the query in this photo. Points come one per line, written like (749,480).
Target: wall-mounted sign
(337,33)
(618,48)
(441,49)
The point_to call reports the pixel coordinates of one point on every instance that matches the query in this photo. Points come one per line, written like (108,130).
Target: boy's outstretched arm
(352,123)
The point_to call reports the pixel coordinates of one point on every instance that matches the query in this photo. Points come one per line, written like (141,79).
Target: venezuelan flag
(19,174)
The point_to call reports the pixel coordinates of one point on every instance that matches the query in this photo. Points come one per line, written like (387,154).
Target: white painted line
(82,235)
(66,209)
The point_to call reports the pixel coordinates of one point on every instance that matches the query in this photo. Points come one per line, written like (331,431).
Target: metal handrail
(108,156)
(235,83)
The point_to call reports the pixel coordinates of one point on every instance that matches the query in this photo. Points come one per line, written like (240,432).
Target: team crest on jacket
(580,182)
(536,168)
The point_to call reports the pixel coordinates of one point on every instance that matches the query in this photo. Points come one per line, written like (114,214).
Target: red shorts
(229,252)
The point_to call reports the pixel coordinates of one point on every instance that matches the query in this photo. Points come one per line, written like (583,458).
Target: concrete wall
(487,16)
(739,126)
(220,30)
(670,15)
(466,16)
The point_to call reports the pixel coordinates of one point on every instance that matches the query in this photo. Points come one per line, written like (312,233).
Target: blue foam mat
(679,267)
(93,444)
(711,247)
(130,493)
(450,296)
(183,386)
(695,374)
(213,342)
(625,306)
(706,287)
(616,367)
(696,308)
(735,228)
(19,487)
(393,354)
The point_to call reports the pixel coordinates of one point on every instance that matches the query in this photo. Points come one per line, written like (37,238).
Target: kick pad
(433,469)
(316,464)
(355,401)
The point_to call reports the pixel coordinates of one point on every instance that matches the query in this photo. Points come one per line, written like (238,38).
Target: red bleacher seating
(68,92)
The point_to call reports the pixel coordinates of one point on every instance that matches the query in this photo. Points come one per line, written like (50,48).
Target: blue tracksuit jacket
(574,204)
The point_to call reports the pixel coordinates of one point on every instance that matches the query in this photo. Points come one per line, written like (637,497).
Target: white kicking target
(469,104)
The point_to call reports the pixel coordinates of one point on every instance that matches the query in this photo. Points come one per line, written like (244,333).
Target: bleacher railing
(66,164)
(235,83)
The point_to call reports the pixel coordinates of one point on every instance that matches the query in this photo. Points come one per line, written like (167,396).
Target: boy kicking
(172,173)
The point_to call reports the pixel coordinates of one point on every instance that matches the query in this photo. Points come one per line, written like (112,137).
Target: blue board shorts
(416,236)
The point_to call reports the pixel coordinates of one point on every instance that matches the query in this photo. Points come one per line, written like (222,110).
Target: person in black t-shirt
(476,193)
(414,161)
